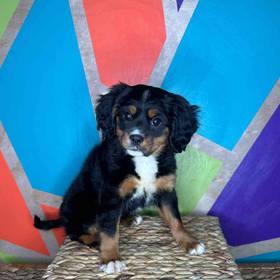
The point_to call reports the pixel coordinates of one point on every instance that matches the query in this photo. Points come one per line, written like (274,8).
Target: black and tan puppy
(133,167)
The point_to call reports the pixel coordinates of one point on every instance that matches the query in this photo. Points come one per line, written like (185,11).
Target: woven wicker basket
(260,271)
(151,253)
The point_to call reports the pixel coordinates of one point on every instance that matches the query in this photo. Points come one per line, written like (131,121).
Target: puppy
(134,166)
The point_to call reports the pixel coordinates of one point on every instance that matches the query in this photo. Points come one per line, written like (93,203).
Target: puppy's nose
(136,139)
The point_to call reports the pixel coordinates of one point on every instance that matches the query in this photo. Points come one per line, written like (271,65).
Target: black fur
(93,198)
(104,110)
(46,225)
(184,122)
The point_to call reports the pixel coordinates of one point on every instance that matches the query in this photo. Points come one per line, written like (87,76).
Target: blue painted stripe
(262,258)
(45,103)
(227,62)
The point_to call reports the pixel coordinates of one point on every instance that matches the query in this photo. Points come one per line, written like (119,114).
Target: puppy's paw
(137,220)
(198,249)
(113,267)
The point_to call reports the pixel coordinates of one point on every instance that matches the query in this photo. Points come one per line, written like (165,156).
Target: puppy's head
(146,119)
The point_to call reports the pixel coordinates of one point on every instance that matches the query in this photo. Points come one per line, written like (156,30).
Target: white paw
(137,220)
(113,267)
(198,250)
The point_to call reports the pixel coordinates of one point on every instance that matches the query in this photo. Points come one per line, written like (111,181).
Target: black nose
(136,139)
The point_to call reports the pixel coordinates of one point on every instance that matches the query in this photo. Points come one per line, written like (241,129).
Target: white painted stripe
(212,149)
(13,28)
(175,25)
(42,197)
(95,86)
(256,248)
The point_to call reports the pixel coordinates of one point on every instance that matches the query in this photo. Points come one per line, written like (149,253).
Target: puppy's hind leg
(90,238)
(132,220)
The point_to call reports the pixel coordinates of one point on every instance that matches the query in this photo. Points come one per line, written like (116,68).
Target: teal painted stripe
(227,62)
(267,257)
(45,103)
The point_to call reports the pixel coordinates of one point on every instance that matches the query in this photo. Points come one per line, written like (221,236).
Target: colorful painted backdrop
(56,57)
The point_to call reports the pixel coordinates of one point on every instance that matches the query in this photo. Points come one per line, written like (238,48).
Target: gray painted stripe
(92,76)
(14,27)
(256,248)
(22,253)
(47,198)
(211,148)
(24,187)
(175,24)
(243,146)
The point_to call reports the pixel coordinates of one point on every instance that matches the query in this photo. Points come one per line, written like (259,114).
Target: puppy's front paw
(198,249)
(113,267)
(137,220)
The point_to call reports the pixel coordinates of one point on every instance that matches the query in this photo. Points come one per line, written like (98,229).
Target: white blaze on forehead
(135,131)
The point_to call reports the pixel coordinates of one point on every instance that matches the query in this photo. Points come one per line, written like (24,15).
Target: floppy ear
(105,110)
(184,122)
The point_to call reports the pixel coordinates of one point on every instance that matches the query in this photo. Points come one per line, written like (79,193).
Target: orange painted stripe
(52,213)
(16,222)
(127,37)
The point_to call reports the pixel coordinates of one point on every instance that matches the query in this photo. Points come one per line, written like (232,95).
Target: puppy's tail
(48,224)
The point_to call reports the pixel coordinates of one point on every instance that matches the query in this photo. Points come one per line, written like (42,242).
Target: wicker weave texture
(9,272)
(151,253)
(260,271)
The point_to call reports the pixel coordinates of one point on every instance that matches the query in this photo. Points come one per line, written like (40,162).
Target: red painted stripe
(127,37)
(16,222)
(52,213)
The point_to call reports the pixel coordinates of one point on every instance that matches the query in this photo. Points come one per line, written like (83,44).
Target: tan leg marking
(89,237)
(128,185)
(109,247)
(166,183)
(182,237)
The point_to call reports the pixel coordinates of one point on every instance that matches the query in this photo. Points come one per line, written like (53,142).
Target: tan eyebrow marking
(132,109)
(152,113)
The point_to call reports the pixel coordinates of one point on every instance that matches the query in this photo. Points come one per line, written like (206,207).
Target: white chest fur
(146,168)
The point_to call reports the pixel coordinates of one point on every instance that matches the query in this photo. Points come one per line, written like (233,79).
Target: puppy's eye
(156,122)
(127,116)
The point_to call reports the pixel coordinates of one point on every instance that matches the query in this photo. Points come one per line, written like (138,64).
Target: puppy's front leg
(168,210)
(109,242)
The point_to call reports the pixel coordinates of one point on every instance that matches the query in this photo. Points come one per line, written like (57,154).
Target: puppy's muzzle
(136,140)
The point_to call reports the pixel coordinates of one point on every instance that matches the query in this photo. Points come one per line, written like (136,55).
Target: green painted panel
(6,258)
(7,8)
(195,171)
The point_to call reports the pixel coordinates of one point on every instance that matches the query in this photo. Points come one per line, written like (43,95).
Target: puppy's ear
(184,122)
(106,110)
